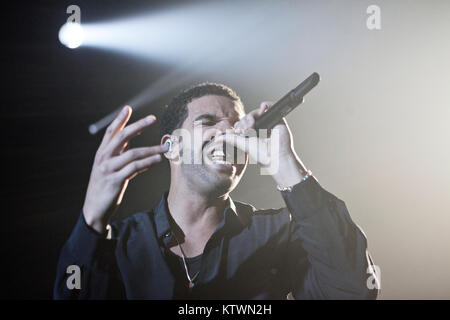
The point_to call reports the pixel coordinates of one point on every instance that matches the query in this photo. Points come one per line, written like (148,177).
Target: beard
(205,179)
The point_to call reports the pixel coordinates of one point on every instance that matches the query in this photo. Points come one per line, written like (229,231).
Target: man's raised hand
(115,165)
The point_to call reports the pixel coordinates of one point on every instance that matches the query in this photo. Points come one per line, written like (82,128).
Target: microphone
(286,104)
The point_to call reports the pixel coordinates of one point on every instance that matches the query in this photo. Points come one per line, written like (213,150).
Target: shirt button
(274,271)
(167,234)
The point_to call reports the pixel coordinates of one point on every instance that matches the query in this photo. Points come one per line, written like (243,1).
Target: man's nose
(219,129)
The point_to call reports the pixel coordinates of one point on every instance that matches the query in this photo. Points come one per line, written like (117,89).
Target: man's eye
(208,123)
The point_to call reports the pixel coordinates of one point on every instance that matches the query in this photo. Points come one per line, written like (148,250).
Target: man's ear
(167,139)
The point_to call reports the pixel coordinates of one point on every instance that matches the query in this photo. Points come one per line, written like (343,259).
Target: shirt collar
(161,214)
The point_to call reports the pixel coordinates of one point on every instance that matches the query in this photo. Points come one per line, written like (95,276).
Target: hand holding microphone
(286,104)
(272,151)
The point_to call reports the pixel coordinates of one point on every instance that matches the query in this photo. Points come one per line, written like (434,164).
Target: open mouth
(219,157)
(220,154)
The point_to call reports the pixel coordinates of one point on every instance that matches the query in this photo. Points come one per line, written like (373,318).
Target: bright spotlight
(71,35)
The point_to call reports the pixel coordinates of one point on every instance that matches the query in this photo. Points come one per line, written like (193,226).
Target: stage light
(71,35)
(215,41)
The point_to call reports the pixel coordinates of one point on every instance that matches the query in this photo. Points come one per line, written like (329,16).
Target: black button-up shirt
(311,249)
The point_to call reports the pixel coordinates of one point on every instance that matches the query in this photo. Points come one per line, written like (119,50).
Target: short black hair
(176,111)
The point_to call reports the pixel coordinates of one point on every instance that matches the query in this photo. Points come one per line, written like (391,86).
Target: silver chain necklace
(191,280)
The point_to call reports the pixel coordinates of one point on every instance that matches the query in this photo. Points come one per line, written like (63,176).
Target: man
(197,243)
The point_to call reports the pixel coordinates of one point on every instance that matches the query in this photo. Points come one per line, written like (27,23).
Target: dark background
(51,95)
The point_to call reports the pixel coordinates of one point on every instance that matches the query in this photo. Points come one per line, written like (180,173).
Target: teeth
(219,161)
(218,153)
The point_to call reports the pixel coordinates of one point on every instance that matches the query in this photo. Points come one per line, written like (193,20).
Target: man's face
(208,170)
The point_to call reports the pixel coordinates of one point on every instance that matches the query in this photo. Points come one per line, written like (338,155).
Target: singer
(198,243)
